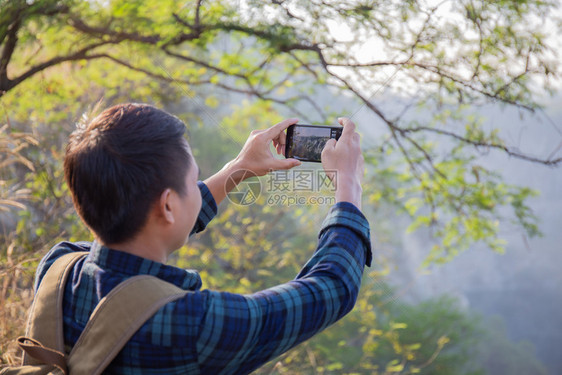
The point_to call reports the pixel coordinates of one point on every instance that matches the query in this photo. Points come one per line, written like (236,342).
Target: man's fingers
(280,147)
(280,141)
(277,129)
(348,126)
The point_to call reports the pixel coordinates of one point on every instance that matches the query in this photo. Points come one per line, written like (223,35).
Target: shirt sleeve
(208,209)
(239,333)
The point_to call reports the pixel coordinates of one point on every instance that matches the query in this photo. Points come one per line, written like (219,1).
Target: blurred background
(458,105)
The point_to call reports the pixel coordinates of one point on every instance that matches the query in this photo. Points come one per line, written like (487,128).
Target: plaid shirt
(211,332)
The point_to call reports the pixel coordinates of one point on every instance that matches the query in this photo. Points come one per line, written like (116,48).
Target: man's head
(119,165)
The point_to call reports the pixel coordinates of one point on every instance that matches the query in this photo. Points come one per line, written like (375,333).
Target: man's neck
(143,246)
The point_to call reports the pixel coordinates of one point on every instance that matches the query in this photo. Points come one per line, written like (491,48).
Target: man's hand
(255,157)
(343,162)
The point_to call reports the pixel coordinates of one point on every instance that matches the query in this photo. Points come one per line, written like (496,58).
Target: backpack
(114,321)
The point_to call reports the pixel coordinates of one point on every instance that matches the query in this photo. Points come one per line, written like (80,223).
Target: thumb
(329,146)
(330,143)
(286,163)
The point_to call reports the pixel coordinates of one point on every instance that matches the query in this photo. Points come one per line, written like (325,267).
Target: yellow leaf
(442,341)
(212,102)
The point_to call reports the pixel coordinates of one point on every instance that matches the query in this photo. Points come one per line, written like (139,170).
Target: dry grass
(16,266)
(16,295)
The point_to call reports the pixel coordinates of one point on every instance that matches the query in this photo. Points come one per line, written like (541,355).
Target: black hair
(118,166)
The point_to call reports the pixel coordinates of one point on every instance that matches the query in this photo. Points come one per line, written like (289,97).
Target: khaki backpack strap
(44,354)
(45,322)
(116,319)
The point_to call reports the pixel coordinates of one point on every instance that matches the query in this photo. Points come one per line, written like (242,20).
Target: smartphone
(306,142)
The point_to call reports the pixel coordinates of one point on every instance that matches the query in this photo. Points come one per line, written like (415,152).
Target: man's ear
(165,206)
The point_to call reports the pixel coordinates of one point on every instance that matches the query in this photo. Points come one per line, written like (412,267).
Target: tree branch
(507,150)
(444,74)
(100,32)
(284,45)
(286,9)
(198,15)
(147,72)
(202,63)
(78,55)
(394,127)
(7,53)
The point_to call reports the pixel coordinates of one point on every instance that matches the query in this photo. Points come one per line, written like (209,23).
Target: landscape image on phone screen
(309,142)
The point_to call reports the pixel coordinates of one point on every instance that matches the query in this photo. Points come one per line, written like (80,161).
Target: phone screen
(306,142)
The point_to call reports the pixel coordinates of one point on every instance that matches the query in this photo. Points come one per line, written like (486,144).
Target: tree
(446,57)
(437,61)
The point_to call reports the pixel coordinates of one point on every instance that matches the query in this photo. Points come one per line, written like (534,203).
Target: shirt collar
(131,265)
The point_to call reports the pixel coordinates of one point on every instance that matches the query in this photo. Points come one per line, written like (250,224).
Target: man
(133,181)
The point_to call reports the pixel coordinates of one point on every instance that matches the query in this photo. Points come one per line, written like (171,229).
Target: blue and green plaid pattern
(211,332)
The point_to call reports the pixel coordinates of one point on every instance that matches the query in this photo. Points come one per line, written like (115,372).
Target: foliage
(444,57)
(497,354)
(437,61)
